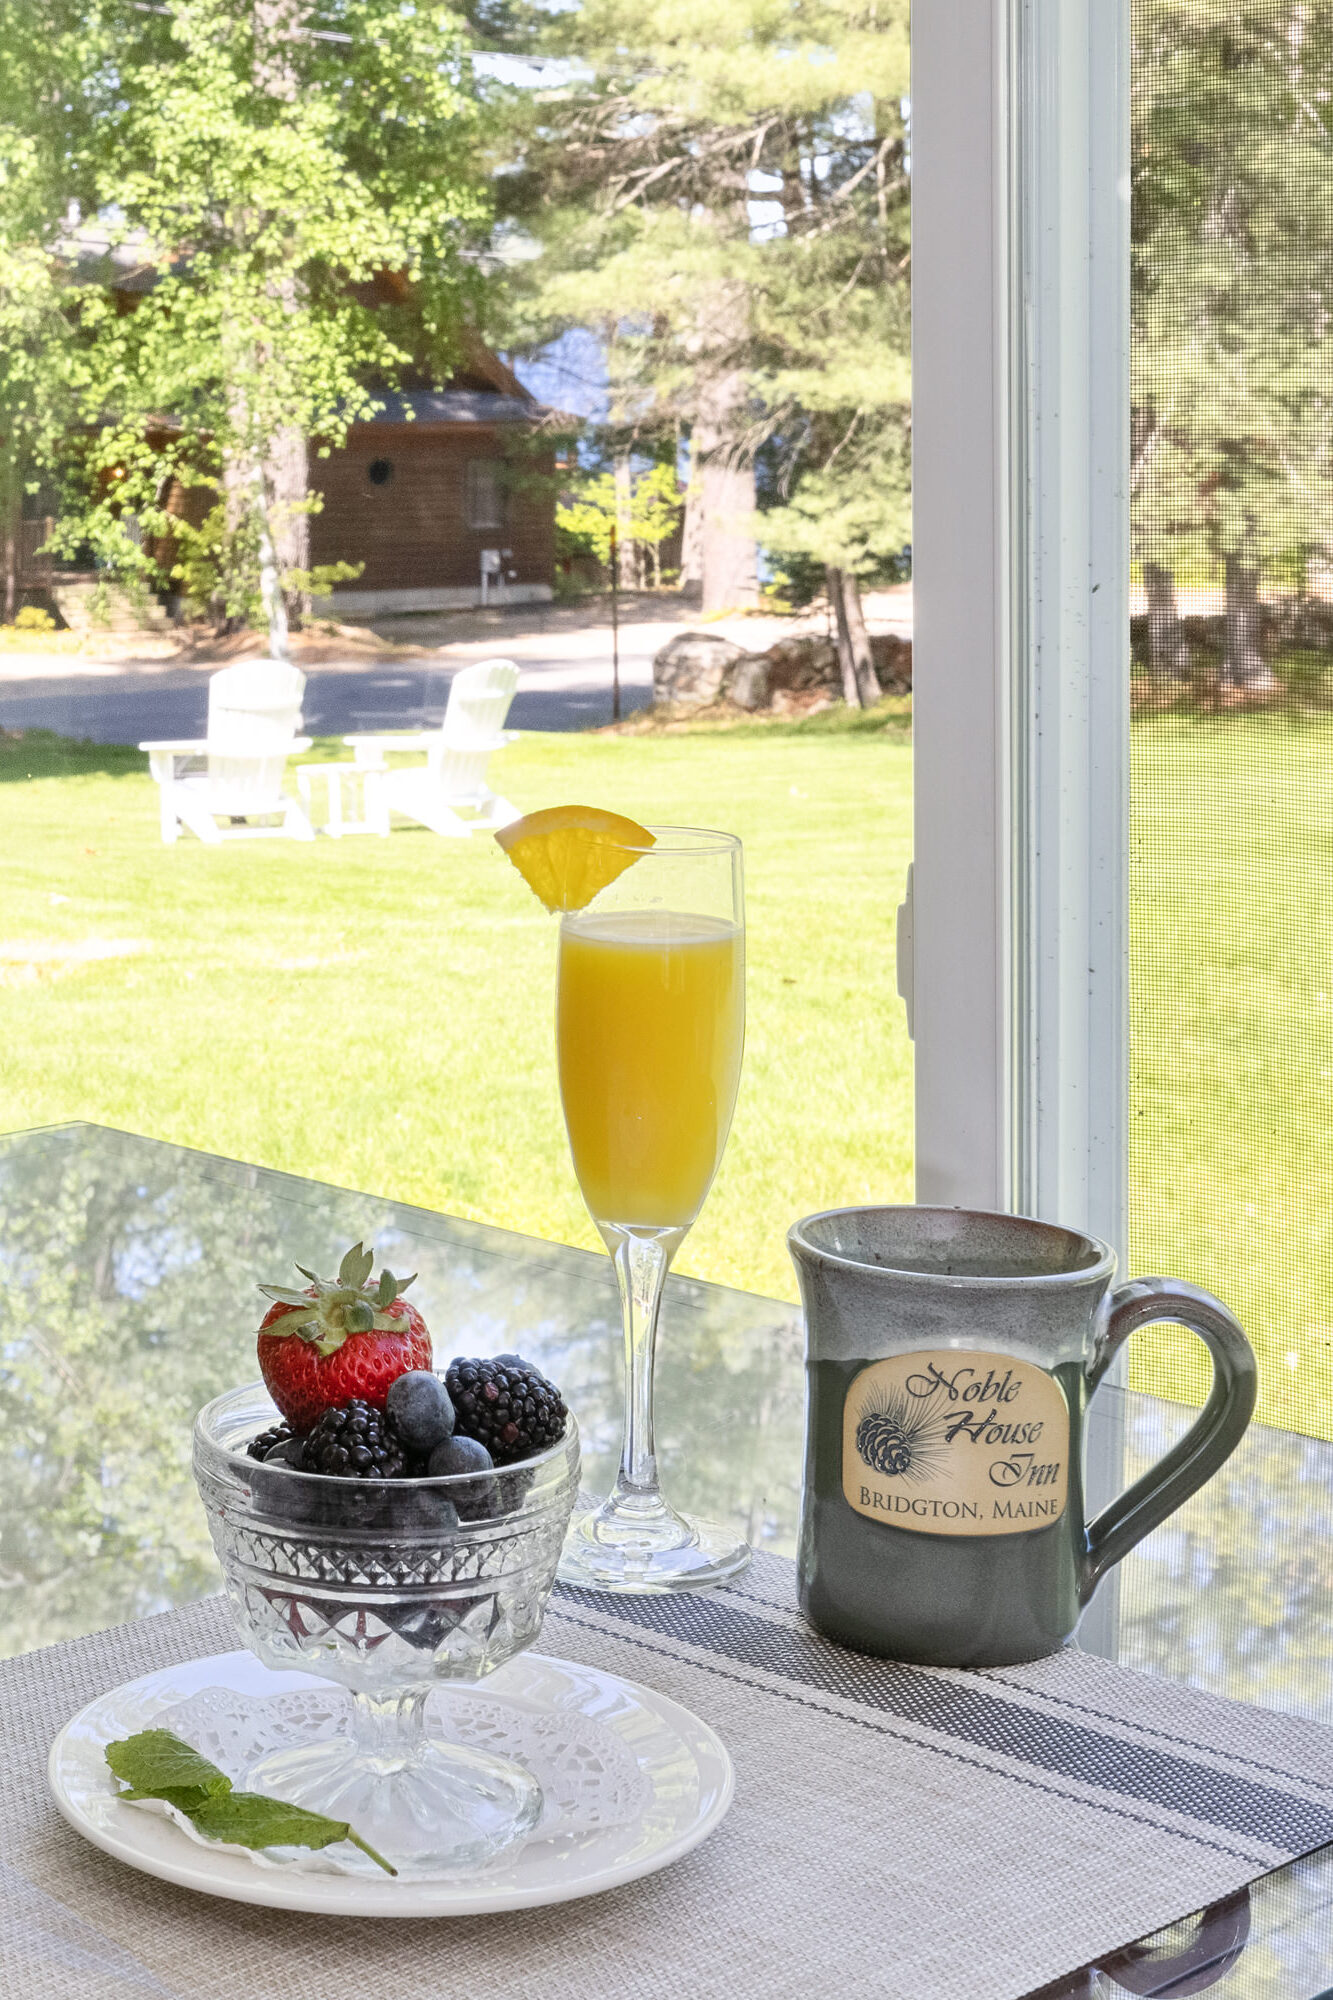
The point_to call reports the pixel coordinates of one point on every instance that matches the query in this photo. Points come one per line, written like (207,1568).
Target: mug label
(956,1443)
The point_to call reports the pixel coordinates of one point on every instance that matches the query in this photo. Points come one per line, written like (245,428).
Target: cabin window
(483,495)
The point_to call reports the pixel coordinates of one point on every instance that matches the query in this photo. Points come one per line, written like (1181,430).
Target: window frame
(471,511)
(1014,940)
(1016,970)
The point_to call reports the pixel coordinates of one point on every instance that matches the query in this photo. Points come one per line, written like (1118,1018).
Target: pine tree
(1232,302)
(719,190)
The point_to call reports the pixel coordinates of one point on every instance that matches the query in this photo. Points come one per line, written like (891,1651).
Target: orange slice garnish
(567,854)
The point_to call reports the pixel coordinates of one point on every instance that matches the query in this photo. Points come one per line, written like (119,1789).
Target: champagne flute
(650,1023)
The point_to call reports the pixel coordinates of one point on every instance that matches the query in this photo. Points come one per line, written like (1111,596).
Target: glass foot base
(604,1552)
(431,1811)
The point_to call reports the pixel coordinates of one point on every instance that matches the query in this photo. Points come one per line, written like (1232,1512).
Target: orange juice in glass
(650,1023)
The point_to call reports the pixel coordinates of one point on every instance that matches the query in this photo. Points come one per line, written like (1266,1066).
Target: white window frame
(1016,972)
(1014,943)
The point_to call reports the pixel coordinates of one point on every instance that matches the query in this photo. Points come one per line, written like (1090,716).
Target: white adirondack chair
(235,773)
(451,782)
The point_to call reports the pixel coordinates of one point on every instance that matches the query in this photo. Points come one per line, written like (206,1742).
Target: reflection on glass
(127,1272)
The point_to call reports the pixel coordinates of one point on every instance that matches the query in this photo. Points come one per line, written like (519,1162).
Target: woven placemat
(897,1834)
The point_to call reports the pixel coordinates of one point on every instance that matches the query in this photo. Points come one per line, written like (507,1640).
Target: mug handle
(1208,1442)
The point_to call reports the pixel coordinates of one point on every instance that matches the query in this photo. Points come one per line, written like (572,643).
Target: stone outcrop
(794,676)
(691,669)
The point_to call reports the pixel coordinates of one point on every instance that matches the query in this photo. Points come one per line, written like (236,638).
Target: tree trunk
(12,533)
(728,566)
(723,456)
(1168,648)
(286,480)
(1243,665)
(692,529)
(279,26)
(860,684)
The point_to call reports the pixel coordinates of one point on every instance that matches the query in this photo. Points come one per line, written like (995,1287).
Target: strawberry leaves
(157,1765)
(356,1267)
(335,1308)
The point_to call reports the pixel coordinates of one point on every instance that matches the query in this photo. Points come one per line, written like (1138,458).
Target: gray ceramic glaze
(950,1358)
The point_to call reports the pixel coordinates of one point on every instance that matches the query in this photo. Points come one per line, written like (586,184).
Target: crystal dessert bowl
(390,1588)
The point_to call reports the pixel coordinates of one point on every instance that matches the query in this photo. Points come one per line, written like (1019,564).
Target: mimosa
(650,1026)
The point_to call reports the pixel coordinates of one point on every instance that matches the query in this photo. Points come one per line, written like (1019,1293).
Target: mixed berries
(349,1367)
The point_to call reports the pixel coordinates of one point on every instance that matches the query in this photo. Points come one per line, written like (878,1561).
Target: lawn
(379,1013)
(1232,976)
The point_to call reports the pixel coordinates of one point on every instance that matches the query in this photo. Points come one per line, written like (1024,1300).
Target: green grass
(379,1014)
(1231,1161)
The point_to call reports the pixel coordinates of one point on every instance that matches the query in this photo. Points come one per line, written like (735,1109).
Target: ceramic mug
(950,1359)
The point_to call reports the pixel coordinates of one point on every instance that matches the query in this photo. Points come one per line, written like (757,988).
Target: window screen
(1232,760)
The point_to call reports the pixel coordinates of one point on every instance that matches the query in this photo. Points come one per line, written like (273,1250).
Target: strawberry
(338,1339)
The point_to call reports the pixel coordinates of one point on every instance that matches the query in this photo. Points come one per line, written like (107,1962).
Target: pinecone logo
(880,1441)
(900,1436)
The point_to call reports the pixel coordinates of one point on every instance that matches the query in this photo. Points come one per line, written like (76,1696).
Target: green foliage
(31,618)
(594,506)
(302,210)
(728,208)
(1233,278)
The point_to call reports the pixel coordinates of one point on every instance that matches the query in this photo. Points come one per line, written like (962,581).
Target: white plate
(685,1764)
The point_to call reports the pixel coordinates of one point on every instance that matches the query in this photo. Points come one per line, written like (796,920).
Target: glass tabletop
(127,1299)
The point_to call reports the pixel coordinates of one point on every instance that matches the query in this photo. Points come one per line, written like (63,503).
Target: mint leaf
(157,1765)
(248,1819)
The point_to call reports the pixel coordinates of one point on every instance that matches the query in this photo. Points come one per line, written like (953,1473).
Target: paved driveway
(564,665)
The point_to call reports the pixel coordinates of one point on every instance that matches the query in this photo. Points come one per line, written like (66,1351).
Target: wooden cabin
(447,498)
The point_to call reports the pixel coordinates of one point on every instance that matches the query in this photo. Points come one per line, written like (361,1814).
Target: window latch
(906,952)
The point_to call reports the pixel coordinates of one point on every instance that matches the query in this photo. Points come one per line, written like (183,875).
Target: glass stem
(389,1728)
(642,1260)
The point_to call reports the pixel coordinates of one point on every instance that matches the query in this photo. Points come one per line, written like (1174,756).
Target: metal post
(615,625)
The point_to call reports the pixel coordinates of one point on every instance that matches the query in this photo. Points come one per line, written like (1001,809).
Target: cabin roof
(456,406)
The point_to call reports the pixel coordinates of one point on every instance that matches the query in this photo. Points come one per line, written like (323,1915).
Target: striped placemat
(897,1833)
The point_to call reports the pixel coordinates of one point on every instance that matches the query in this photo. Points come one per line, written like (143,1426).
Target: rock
(799,664)
(893,662)
(793,677)
(749,681)
(691,668)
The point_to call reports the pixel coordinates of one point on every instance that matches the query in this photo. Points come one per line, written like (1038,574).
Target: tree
(1232,302)
(694,176)
(302,189)
(43,168)
(643,507)
(839,460)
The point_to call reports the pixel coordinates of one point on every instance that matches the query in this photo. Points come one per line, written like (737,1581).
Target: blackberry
(507,1405)
(267,1441)
(356,1442)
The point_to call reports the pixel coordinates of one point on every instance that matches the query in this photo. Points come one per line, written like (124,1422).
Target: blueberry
(427,1512)
(421,1410)
(457,1455)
